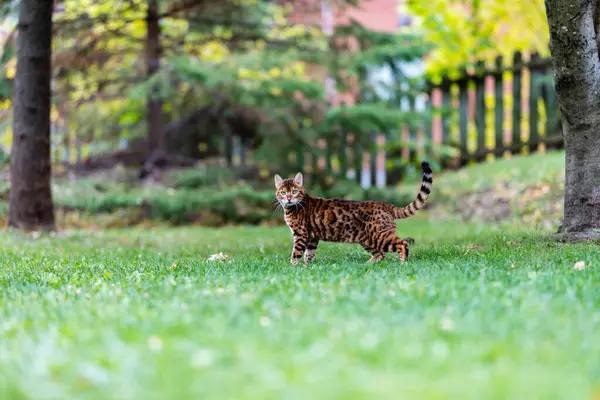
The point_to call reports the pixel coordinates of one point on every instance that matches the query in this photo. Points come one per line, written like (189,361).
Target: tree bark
(153,54)
(597,23)
(576,61)
(30,202)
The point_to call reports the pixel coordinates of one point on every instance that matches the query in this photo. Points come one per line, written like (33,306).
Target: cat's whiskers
(276,205)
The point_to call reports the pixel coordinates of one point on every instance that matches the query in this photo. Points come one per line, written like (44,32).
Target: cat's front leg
(311,250)
(300,242)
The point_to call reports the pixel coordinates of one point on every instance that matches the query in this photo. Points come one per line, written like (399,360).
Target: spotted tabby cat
(368,223)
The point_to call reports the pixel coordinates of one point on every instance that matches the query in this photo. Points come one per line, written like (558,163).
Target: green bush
(234,203)
(198,178)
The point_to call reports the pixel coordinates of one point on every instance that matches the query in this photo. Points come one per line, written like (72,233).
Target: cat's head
(289,192)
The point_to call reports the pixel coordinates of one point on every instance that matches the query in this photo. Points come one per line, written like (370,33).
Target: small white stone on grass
(155,343)
(369,341)
(447,324)
(579,265)
(218,257)
(203,358)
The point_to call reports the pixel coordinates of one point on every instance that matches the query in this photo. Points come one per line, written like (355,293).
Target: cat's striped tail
(419,202)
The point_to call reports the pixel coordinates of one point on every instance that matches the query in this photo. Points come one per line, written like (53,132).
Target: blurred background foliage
(206,99)
(467,31)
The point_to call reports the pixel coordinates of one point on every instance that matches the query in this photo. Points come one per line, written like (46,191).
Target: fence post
(244,151)
(445,88)
(464,117)
(553,123)
(412,129)
(516,105)
(534,136)
(480,108)
(499,107)
(229,148)
(427,128)
(328,155)
(358,158)
(314,158)
(343,157)
(300,159)
(373,156)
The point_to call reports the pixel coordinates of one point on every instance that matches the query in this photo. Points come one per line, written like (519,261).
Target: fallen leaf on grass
(475,246)
(446,324)
(579,265)
(155,344)
(218,257)
(203,358)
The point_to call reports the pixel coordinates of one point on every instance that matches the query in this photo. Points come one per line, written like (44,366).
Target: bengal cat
(368,223)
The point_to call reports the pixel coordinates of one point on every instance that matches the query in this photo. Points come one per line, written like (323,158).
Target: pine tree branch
(186,5)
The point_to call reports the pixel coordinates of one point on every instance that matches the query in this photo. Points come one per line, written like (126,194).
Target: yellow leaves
(214,51)
(252,77)
(244,73)
(275,72)
(94,9)
(299,68)
(260,44)
(175,26)
(11,68)
(464,34)
(6,138)
(138,29)
(222,32)
(5,104)
(287,31)
(54,115)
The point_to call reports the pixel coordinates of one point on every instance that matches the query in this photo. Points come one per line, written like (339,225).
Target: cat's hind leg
(376,254)
(399,246)
(388,242)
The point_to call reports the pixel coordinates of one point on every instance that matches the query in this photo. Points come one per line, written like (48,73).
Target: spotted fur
(368,223)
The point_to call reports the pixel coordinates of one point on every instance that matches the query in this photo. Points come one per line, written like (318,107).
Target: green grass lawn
(143,315)
(480,311)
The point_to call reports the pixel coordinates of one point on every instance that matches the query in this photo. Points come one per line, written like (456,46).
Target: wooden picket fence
(494,111)
(490,111)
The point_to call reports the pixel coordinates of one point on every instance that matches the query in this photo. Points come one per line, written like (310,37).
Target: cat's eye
(294,192)
(283,192)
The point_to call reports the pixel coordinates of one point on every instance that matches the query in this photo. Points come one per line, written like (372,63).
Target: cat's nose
(289,198)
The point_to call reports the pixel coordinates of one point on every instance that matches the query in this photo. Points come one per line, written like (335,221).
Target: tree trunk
(574,49)
(153,53)
(30,203)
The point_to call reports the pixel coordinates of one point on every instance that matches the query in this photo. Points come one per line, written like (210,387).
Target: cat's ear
(278,181)
(298,179)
